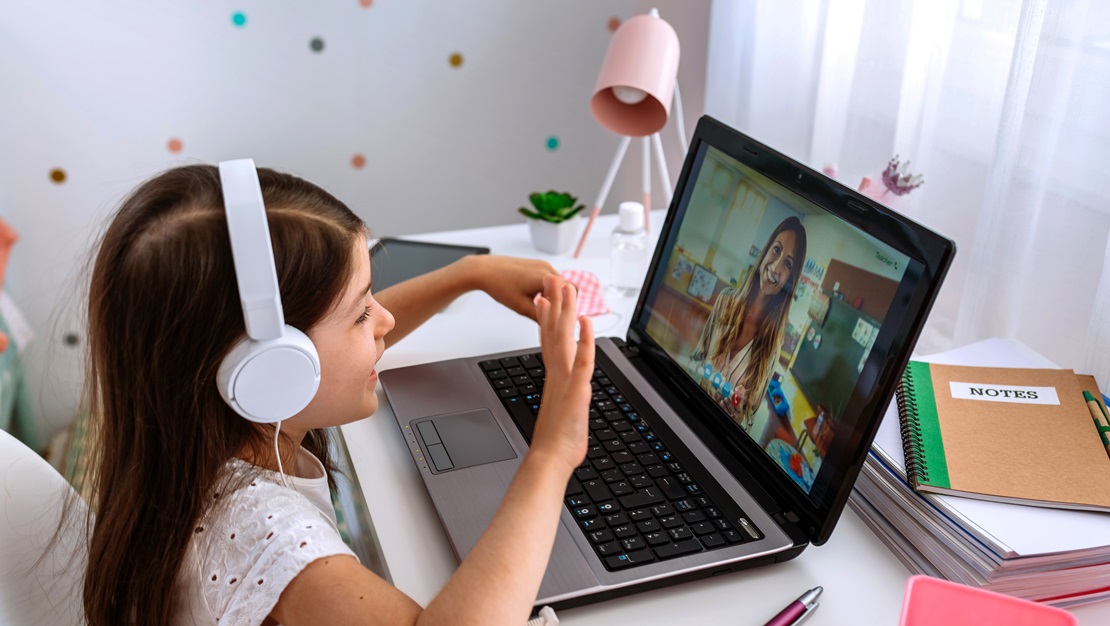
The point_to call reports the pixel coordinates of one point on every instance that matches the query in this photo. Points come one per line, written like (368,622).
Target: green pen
(1098,415)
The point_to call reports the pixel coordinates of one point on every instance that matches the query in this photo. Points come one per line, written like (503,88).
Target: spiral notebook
(1022,436)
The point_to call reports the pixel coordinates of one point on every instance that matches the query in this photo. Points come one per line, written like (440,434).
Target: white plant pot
(554,238)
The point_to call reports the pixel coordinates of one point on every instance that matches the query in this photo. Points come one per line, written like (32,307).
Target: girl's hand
(511,281)
(562,426)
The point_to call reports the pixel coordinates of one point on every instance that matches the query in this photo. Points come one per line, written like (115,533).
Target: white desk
(863,580)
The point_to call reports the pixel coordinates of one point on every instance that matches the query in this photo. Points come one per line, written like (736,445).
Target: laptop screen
(771,306)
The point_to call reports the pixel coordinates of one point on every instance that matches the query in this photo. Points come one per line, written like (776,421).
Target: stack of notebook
(1052,555)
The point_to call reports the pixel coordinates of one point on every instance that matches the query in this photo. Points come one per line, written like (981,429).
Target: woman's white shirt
(254,541)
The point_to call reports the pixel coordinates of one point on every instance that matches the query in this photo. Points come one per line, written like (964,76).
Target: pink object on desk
(590,301)
(935,602)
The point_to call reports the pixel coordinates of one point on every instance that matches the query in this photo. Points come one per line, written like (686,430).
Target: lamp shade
(636,83)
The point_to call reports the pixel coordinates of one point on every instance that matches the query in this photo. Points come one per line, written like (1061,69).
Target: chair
(42,569)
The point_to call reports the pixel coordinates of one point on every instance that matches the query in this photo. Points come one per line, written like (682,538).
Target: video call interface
(771,305)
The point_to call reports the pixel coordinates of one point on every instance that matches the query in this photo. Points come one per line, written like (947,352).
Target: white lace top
(249,547)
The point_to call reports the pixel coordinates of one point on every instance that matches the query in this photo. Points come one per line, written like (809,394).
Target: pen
(797,610)
(1098,415)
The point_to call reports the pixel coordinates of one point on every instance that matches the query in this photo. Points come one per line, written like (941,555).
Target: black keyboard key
(523,417)
(621,488)
(597,490)
(590,525)
(658,471)
(522,379)
(585,473)
(603,464)
(632,469)
(584,512)
(670,521)
(633,543)
(601,536)
(490,365)
(692,517)
(678,548)
(712,513)
(529,388)
(639,448)
(606,508)
(702,528)
(624,531)
(516,370)
(509,392)
(495,374)
(641,481)
(639,515)
(595,452)
(693,489)
(722,524)
(611,476)
(627,559)
(606,433)
(612,445)
(713,541)
(536,372)
(662,509)
(702,501)
(657,538)
(649,526)
(670,488)
(623,457)
(607,549)
(604,405)
(504,383)
(510,361)
(680,533)
(642,498)
(732,536)
(573,487)
(685,479)
(630,436)
(681,506)
(622,427)
(597,424)
(616,519)
(577,501)
(648,459)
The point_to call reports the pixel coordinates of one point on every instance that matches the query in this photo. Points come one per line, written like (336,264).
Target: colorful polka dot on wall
(358,161)
(317,44)
(552,143)
(614,24)
(239,19)
(456,59)
(174,145)
(58,175)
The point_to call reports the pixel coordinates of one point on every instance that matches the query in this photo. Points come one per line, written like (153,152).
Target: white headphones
(274,371)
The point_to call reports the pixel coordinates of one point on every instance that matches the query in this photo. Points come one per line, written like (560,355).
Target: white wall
(99,89)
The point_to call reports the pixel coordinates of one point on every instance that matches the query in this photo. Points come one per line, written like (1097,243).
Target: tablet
(396,260)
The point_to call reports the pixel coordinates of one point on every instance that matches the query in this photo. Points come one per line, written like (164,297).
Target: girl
(740,343)
(193,522)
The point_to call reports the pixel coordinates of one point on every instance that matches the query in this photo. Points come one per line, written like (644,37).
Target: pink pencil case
(935,602)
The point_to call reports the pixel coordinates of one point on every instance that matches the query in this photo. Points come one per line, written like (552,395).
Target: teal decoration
(239,19)
(316,44)
(553,143)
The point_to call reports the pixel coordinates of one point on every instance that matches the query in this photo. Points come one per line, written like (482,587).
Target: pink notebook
(935,602)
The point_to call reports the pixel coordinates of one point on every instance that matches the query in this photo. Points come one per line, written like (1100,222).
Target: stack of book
(1059,556)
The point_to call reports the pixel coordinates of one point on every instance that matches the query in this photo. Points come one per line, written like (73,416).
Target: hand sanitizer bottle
(628,254)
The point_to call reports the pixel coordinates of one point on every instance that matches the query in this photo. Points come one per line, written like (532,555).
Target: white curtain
(1002,105)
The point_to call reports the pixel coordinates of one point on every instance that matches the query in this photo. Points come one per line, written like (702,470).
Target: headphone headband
(251,250)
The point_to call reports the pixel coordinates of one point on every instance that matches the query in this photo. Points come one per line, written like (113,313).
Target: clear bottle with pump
(628,253)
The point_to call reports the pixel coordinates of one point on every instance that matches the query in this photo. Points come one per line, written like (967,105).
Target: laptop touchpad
(456,440)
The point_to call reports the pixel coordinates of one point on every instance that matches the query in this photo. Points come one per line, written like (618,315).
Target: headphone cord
(277,453)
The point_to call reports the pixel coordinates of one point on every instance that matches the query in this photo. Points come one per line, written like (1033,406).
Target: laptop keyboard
(631,497)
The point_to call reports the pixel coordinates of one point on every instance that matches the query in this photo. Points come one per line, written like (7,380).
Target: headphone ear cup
(269,381)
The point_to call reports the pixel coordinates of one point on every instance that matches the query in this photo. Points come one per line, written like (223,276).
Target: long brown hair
(768,338)
(163,311)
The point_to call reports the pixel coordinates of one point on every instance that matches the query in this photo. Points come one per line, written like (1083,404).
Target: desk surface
(863,580)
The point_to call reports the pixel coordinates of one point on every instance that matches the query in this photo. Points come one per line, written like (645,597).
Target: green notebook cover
(921,440)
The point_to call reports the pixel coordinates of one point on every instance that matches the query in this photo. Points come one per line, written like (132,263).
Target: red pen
(797,610)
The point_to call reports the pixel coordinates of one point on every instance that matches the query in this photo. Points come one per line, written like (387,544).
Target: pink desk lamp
(633,98)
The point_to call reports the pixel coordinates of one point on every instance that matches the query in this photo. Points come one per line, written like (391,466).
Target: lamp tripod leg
(657,141)
(646,188)
(604,193)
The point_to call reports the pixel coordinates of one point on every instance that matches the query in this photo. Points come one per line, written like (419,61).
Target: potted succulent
(553,230)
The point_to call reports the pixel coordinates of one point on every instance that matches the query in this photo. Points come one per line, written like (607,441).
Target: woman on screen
(738,347)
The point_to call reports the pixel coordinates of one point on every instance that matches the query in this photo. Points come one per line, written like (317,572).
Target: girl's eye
(365,316)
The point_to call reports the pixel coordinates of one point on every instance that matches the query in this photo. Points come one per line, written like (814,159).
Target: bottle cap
(631,216)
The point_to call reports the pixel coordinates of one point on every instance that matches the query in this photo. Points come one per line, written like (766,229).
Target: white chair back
(42,570)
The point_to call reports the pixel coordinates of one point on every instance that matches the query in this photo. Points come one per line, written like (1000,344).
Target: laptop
(727,428)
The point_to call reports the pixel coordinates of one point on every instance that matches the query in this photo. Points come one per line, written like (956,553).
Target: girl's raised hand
(562,423)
